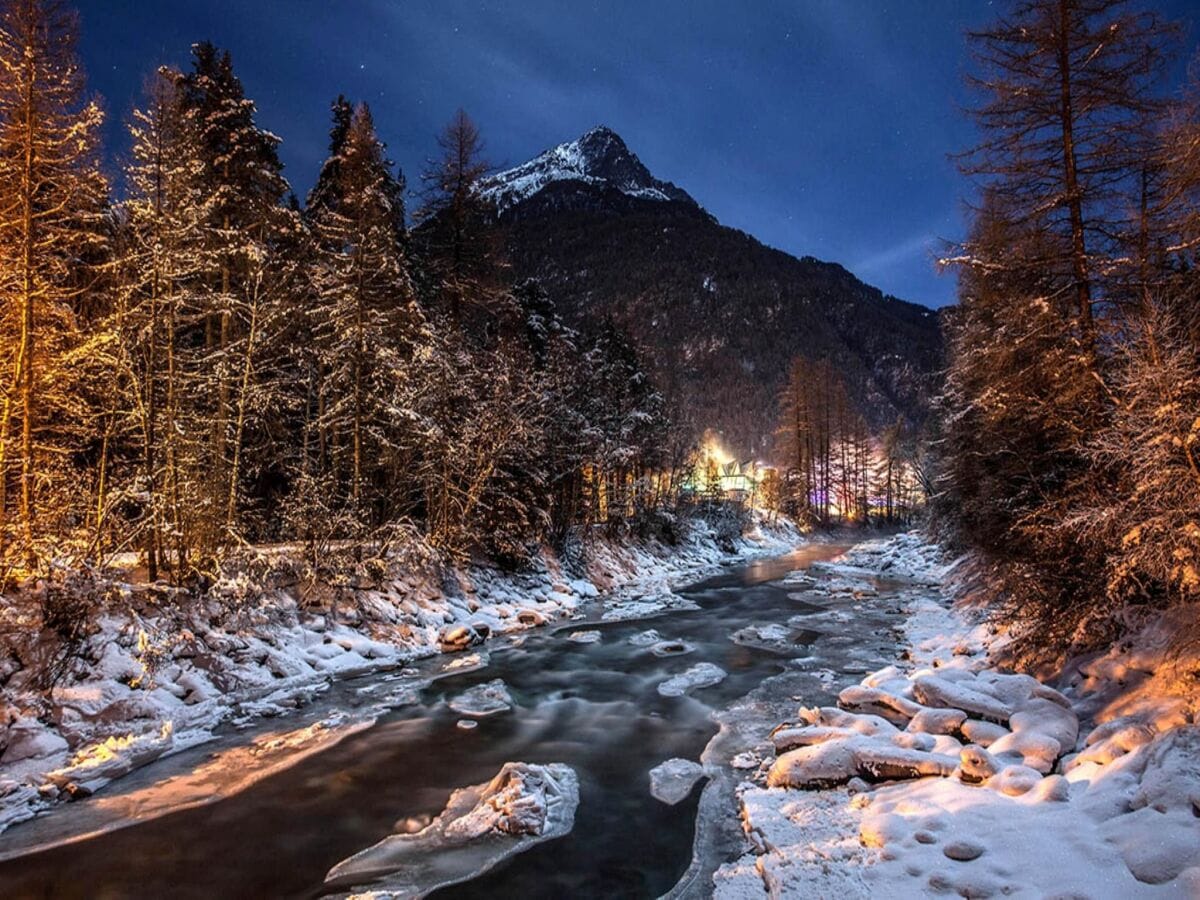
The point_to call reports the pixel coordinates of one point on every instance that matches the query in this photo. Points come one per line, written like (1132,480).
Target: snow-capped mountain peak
(600,157)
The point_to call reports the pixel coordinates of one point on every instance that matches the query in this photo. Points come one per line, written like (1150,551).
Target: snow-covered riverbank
(1013,788)
(148,683)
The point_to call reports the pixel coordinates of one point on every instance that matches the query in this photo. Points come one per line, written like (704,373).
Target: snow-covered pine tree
(628,418)
(366,327)
(161,229)
(52,223)
(239,296)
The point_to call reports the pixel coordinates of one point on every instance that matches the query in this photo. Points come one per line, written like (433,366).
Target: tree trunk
(1083,290)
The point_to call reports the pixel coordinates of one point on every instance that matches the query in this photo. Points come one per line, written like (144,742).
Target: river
(594,706)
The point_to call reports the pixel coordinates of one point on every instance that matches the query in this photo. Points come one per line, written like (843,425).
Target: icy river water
(594,706)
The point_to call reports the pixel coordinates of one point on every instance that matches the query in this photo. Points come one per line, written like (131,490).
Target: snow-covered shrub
(47,621)
(728,521)
(657,524)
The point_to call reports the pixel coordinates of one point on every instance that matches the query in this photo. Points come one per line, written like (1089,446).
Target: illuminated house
(716,473)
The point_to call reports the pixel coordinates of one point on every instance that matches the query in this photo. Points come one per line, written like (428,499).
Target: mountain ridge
(720,314)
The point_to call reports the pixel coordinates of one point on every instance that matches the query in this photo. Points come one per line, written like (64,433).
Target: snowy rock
(1106,745)
(28,738)
(531,618)
(932,690)
(1015,780)
(671,648)
(1052,789)
(836,761)
(976,765)
(1045,717)
(938,721)
(982,733)
(788,737)
(1036,750)
(814,767)
(899,710)
(481,826)
(485,699)
(879,762)
(699,676)
(962,851)
(458,637)
(863,723)
(673,780)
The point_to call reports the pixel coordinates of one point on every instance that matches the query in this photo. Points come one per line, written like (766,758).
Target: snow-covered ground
(942,775)
(149,684)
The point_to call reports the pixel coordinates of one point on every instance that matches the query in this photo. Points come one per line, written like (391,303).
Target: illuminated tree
(52,198)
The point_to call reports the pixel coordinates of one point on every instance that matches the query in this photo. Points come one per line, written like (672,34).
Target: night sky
(822,127)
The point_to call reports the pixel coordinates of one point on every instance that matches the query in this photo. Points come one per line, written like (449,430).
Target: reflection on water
(592,706)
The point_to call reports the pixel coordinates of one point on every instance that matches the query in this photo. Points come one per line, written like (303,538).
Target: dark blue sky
(822,127)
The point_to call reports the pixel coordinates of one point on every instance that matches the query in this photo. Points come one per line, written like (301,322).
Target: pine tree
(161,228)
(365,325)
(236,297)
(51,223)
(459,242)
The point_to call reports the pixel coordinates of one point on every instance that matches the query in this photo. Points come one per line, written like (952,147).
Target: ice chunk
(774,638)
(481,826)
(701,675)
(590,636)
(485,699)
(673,780)
(645,638)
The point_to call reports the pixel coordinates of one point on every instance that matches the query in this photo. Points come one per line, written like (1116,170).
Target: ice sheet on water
(673,780)
(701,675)
(485,699)
(589,636)
(481,826)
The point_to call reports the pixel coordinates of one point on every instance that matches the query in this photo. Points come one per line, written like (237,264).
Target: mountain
(719,314)
(599,160)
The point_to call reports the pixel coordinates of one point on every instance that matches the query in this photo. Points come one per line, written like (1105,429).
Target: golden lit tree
(51,209)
